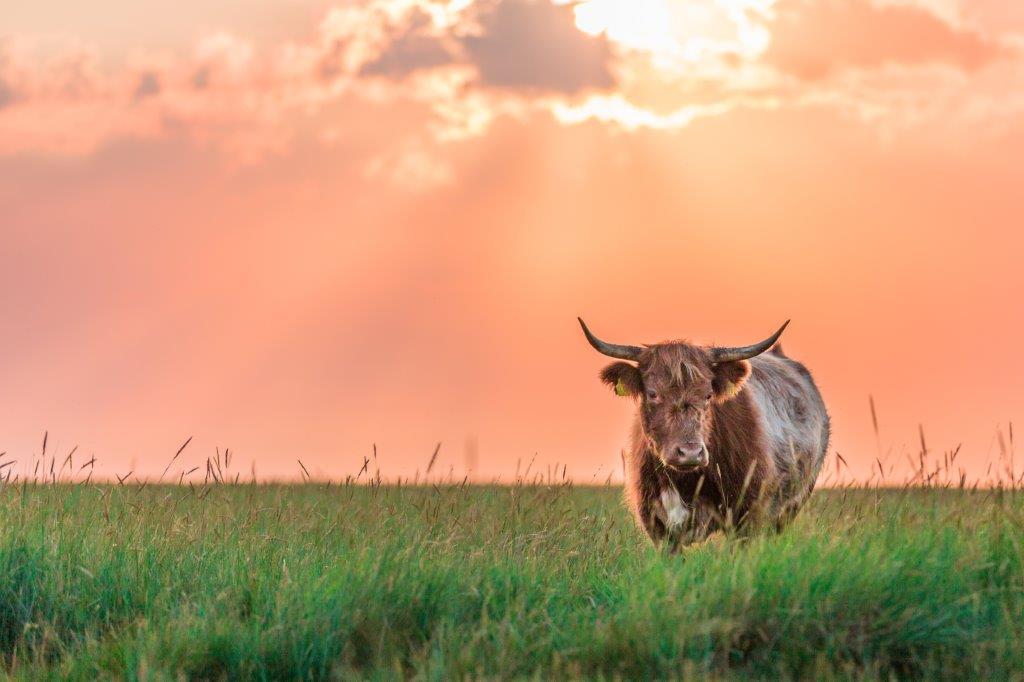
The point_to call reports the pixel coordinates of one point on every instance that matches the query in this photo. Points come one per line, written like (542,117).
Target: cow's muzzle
(687,456)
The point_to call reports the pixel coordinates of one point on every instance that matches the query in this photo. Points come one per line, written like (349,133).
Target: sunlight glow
(679,31)
(618,110)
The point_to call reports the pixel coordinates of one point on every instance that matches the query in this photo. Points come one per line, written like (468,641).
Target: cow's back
(794,420)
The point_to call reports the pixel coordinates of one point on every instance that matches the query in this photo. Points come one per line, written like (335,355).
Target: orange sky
(296,229)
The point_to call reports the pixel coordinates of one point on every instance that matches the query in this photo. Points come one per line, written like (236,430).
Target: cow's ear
(623,377)
(729,379)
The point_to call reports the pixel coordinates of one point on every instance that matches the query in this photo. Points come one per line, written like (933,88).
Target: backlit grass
(304,582)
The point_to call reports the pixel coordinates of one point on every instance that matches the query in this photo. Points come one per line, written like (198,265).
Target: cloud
(351,36)
(6,94)
(628,116)
(201,78)
(449,71)
(414,47)
(813,39)
(148,86)
(528,45)
(222,59)
(535,45)
(413,167)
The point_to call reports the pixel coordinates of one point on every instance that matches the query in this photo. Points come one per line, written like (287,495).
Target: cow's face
(677,385)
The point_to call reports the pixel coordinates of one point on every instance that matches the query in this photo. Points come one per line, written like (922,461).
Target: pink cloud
(813,39)
(250,100)
(414,46)
(456,71)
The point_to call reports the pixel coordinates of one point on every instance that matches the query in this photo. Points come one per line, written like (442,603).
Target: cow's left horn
(747,352)
(612,350)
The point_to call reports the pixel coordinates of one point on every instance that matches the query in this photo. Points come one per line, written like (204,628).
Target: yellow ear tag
(620,388)
(731,390)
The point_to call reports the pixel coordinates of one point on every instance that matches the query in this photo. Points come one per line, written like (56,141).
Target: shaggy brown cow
(724,437)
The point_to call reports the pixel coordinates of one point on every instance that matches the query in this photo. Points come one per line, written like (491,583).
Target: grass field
(311,582)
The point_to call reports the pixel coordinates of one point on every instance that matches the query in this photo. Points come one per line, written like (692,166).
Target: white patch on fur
(676,512)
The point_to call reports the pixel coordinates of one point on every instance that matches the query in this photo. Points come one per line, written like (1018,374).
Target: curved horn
(747,352)
(612,350)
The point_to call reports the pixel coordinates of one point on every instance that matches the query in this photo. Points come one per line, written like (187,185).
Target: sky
(302,229)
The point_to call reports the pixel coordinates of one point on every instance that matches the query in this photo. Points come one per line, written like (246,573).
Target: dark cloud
(201,78)
(332,63)
(6,91)
(533,44)
(148,85)
(411,50)
(814,38)
(6,94)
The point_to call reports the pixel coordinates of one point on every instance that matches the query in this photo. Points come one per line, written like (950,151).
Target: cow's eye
(708,398)
(652,395)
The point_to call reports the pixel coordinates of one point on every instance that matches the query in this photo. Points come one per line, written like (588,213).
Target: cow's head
(677,384)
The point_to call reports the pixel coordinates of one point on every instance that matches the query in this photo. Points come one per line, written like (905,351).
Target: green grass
(309,582)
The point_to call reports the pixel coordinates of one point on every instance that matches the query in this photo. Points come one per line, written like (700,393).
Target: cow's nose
(689,455)
(690,448)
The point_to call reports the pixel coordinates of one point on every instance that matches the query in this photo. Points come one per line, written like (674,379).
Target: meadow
(317,581)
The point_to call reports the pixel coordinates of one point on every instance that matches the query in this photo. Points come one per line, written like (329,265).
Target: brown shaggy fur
(684,397)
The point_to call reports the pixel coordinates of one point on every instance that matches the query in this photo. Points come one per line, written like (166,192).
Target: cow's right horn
(612,350)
